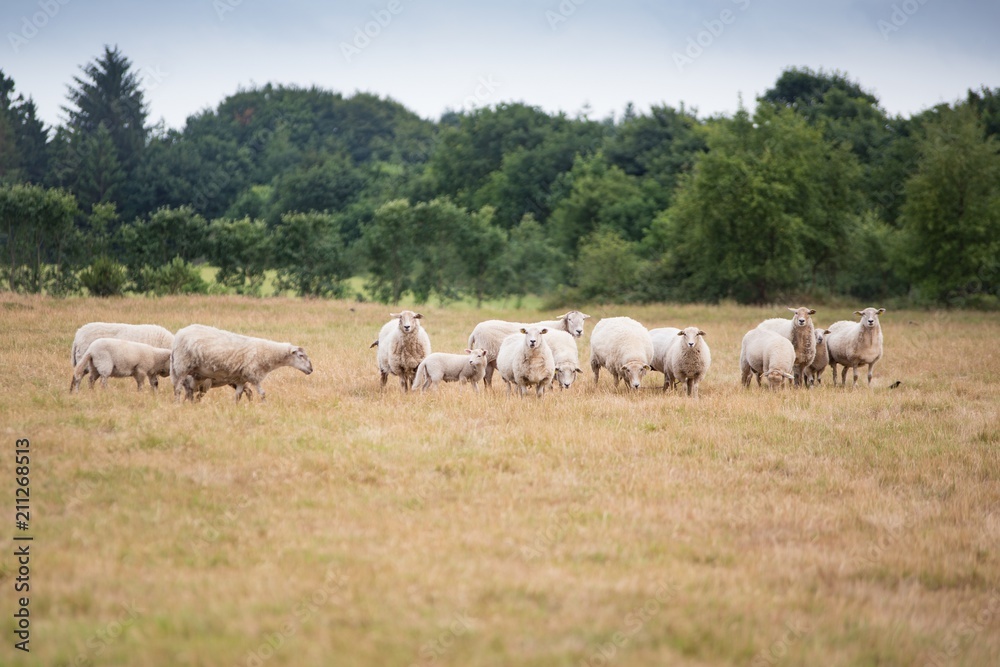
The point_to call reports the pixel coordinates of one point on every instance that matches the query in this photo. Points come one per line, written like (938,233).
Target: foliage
(175,277)
(607,267)
(36,225)
(241,249)
(309,254)
(104,277)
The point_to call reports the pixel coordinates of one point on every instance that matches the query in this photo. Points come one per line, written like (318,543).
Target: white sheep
(112,357)
(766,353)
(565,356)
(402,344)
(689,359)
(851,344)
(150,334)
(814,373)
(799,330)
(624,347)
(205,357)
(663,339)
(525,360)
(489,335)
(445,367)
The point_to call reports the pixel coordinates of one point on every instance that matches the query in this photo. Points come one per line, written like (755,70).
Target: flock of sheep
(537,355)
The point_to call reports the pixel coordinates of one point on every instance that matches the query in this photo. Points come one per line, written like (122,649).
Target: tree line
(814,192)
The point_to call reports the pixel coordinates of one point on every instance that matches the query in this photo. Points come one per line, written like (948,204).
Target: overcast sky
(561,55)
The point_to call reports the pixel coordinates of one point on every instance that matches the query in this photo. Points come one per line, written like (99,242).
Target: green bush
(175,277)
(104,277)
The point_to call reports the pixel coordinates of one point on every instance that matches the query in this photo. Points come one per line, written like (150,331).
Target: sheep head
(633,372)
(801,317)
(407,320)
(297,358)
(533,336)
(574,322)
(869,316)
(691,335)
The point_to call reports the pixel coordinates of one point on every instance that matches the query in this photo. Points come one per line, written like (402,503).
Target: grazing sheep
(112,357)
(814,373)
(688,359)
(205,357)
(767,353)
(851,344)
(150,334)
(402,344)
(624,347)
(565,355)
(442,366)
(489,335)
(525,359)
(799,330)
(663,340)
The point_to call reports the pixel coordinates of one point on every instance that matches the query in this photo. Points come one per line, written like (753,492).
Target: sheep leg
(855,369)
(871,367)
(93,374)
(139,379)
(833,371)
(488,378)
(260,390)
(154,382)
(843,377)
(596,367)
(104,382)
(384,376)
(690,385)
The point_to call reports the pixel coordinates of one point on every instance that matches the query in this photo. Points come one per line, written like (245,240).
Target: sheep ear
(881,310)
(790,308)
(788,376)
(647,367)
(395,314)
(680,333)
(701,333)
(467,351)
(812,311)
(586,317)
(523,330)
(543,331)
(858,312)
(577,370)
(418,316)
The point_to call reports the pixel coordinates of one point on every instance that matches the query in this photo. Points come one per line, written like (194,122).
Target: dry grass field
(338,524)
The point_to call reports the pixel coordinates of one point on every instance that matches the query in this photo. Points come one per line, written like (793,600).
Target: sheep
(624,347)
(764,352)
(442,366)
(565,355)
(851,344)
(150,334)
(112,357)
(688,359)
(402,344)
(525,359)
(814,373)
(663,339)
(490,334)
(205,357)
(799,330)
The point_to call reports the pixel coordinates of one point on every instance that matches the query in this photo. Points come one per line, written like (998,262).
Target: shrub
(104,277)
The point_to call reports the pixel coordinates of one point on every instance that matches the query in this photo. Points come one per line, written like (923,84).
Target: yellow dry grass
(338,524)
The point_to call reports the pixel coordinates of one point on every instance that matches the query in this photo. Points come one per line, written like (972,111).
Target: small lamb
(688,359)
(663,340)
(112,357)
(525,359)
(798,330)
(444,367)
(402,344)
(851,344)
(624,347)
(814,373)
(565,355)
(150,334)
(766,353)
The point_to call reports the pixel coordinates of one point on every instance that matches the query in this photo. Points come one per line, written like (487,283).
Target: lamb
(150,334)
(799,330)
(688,359)
(112,357)
(565,356)
(767,353)
(663,339)
(814,372)
(205,357)
(402,344)
(624,347)
(525,359)
(851,344)
(490,334)
(442,366)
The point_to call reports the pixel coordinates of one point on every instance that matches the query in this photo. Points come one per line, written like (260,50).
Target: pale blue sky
(561,55)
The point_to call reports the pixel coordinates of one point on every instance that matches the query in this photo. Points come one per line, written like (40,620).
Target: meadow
(342,524)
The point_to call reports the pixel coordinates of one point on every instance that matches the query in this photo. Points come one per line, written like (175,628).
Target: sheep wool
(624,347)
(112,357)
(851,344)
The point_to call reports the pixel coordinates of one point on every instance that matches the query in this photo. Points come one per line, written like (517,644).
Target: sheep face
(869,317)
(801,316)
(566,374)
(574,322)
(633,372)
(407,321)
(297,358)
(477,357)
(820,335)
(533,336)
(690,336)
(776,378)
